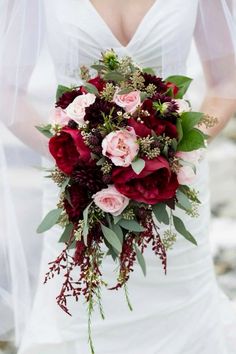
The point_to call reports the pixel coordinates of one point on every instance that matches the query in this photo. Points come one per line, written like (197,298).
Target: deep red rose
(155,184)
(173,87)
(98,83)
(78,201)
(68,149)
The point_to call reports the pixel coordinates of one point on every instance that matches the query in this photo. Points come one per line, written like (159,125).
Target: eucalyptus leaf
(180,227)
(160,213)
(86,225)
(118,231)
(193,140)
(45,130)
(149,71)
(49,221)
(101,161)
(61,90)
(91,88)
(138,165)
(114,76)
(65,184)
(141,260)
(112,238)
(117,218)
(183,200)
(124,91)
(131,225)
(66,235)
(98,67)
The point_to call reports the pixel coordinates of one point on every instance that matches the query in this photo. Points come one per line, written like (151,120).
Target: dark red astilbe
(70,288)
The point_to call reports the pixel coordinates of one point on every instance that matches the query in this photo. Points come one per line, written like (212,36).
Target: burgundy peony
(78,202)
(155,184)
(68,149)
(98,82)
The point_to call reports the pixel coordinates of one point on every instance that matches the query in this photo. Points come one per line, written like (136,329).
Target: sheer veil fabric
(74,35)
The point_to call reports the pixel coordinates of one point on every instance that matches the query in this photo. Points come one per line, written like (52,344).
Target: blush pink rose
(111,201)
(59,117)
(121,146)
(186,174)
(129,101)
(76,109)
(183,106)
(190,156)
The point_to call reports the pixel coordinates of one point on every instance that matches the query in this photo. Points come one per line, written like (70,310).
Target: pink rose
(111,201)
(76,109)
(59,117)
(186,174)
(129,101)
(121,146)
(190,156)
(183,106)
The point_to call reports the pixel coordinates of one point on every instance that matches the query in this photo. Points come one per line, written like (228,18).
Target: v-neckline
(138,29)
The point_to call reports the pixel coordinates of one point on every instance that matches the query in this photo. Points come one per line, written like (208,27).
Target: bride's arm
(215,37)
(21,37)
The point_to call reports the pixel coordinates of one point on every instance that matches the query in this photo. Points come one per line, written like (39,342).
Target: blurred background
(26,182)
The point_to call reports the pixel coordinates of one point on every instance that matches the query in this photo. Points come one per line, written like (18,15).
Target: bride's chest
(166,22)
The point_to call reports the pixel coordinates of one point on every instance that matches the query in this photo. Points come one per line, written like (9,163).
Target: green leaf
(91,88)
(98,67)
(149,71)
(190,120)
(193,140)
(141,260)
(160,213)
(117,218)
(179,129)
(101,161)
(186,190)
(183,200)
(61,90)
(131,225)
(143,96)
(65,184)
(112,238)
(138,165)
(65,237)
(174,144)
(86,225)
(114,76)
(125,91)
(179,226)
(118,231)
(49,221)
(45,130)
(182,82)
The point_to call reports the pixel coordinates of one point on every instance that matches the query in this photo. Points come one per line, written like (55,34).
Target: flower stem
(127,297)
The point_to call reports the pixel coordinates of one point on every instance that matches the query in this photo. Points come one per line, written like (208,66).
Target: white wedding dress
(183,312)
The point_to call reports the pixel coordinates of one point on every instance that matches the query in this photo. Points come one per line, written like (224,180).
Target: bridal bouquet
(126,147)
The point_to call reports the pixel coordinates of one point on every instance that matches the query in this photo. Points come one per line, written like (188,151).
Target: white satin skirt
(183,312)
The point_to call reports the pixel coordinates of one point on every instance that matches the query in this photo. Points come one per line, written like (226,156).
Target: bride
(183,312)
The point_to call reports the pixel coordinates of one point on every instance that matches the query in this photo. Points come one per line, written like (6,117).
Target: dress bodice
(161,41)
